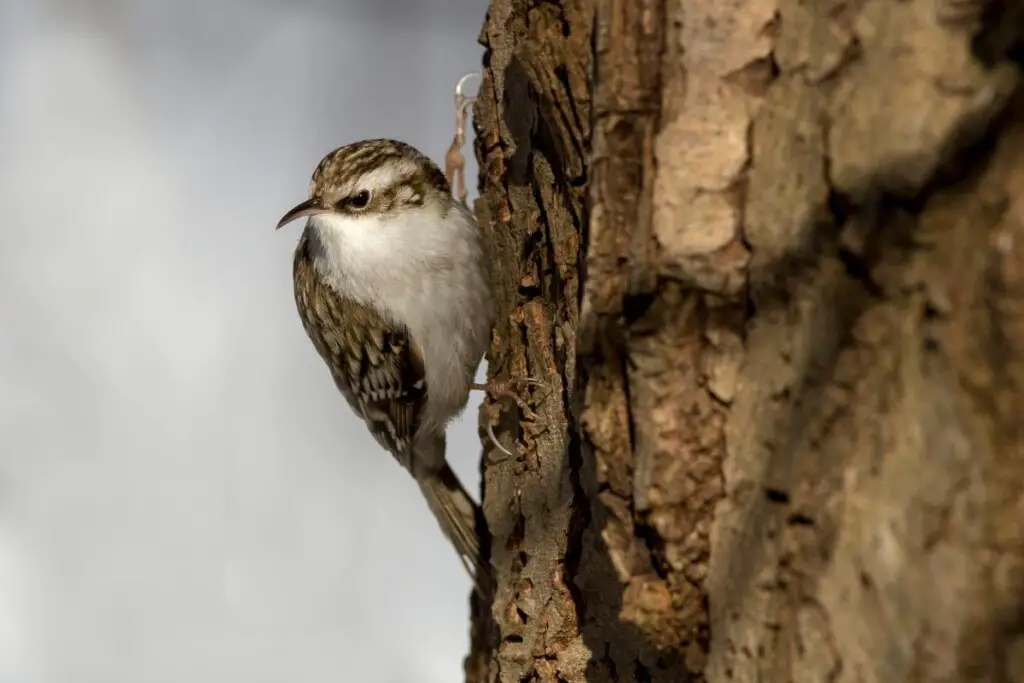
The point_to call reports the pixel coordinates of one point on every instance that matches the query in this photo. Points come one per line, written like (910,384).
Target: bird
(392,284)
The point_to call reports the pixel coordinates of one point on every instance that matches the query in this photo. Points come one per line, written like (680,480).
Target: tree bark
(768,258)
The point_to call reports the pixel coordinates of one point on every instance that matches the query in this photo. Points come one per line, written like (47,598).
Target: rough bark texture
(532,121)
(783,432)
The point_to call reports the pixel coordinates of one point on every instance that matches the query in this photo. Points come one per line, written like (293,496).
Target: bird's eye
(359,200)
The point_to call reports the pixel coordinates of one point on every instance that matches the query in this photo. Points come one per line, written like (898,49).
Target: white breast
(426,270)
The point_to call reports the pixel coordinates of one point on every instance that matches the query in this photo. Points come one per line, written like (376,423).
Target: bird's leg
(454,162)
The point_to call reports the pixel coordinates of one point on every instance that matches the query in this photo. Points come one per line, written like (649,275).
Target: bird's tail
(461,520)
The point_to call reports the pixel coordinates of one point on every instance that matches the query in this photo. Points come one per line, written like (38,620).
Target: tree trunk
(782,432)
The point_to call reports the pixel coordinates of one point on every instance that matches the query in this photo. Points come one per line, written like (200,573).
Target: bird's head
(372,179)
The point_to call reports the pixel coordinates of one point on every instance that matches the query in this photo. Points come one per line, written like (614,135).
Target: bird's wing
(373,361)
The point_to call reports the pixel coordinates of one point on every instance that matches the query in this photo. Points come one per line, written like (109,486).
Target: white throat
(369,256)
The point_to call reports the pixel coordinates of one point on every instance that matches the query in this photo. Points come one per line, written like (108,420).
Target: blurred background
(183,495)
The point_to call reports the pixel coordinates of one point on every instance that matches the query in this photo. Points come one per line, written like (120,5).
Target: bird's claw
(454,162)
(529,381)
(503,389)
(460,97)
(494,440)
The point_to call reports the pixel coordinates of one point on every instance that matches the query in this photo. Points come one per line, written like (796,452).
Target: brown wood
(782,437)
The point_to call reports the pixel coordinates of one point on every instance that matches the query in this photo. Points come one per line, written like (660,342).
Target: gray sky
(183,495)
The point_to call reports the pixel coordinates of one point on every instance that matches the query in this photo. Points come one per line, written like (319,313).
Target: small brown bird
(394,289)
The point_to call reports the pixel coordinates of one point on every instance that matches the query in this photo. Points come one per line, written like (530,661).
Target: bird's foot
(454,162)
(498,389)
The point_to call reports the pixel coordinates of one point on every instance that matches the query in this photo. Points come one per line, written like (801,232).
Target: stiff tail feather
(461,521)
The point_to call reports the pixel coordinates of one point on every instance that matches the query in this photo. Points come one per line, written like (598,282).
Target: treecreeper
(393,287)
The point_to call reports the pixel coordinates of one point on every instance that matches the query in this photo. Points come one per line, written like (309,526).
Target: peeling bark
(783,437)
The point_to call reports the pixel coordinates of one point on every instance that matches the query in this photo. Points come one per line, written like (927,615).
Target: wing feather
(373,360)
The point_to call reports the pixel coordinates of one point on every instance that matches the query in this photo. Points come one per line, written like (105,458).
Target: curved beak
(310,207)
